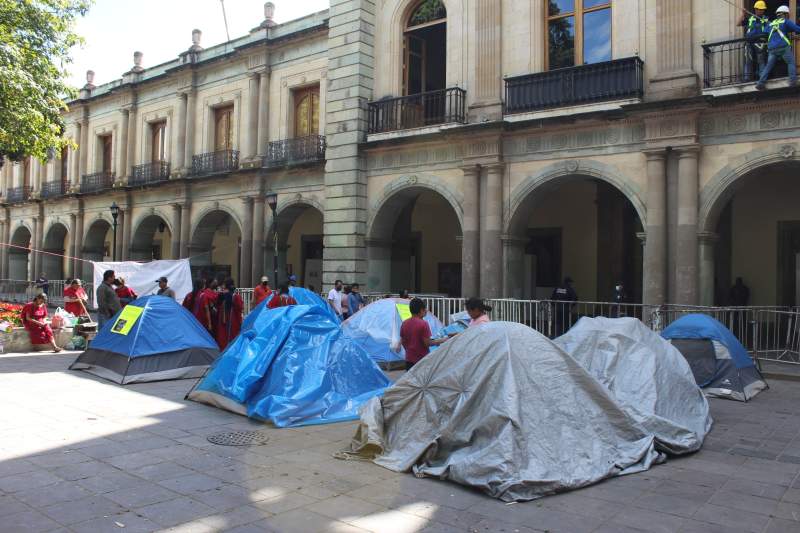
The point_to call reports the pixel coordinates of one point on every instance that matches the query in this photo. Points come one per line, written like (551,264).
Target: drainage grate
(239,438)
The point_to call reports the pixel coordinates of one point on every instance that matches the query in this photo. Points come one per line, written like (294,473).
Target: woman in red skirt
(229,315)
(33,318)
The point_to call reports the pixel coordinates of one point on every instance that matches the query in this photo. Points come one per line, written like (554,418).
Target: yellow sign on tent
(405,312)
(126,319)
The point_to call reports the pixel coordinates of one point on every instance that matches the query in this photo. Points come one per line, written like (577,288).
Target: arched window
(578,32)
(424,51)
(306,112)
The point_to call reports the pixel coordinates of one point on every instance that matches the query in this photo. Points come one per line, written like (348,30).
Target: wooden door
(107,153)
(158,142)
(223,128)
(306,112)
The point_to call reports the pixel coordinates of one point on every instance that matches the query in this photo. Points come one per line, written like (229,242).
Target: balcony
(215,162)
(598,82)
(99,181)
(54,189)
(149,173)
(418,110)
(293,152)
(724,64)
(18,195)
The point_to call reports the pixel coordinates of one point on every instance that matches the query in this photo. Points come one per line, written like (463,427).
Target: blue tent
(292,366)
(150,339)
(301,295)
(719,362)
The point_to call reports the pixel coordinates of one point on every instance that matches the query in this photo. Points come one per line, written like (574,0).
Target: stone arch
(19,254)
(216,224)
(286,216)
(55,245)
(210,209)
(94,241)
(143,237)
(295,246)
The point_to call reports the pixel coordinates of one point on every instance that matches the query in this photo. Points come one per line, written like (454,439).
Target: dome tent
(153,338)
(719,362)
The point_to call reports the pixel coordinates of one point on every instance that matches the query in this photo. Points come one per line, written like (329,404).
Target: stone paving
(83,455)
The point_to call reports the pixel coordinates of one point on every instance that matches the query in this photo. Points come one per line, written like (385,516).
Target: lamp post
(114,214)
(272,201)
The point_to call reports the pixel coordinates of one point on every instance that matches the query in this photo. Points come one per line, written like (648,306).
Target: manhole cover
(239,438)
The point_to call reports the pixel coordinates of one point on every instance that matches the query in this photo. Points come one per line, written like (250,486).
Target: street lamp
(114,214)
(272,202)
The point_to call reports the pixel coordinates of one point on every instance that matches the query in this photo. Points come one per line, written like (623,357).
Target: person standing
(356,301)
(282,299)
(43,284)
(126,294)
(756,31)
(202,307)
(415,334)
(261,291)
(564,298)
(740,294)
(780,47)
(34,319)
(292,280)
(75,298)
(163,288)
(230,315)
(108,303)
(335,298)
(346,302)
(477,312)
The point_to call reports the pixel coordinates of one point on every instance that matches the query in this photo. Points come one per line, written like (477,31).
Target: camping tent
(527,421)
(152,338)
(302,297)
(376,328)
(292,366)
(646,375)
(719,362)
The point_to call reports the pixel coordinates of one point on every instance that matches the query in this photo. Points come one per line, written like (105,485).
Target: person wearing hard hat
(756,31)
(780,47)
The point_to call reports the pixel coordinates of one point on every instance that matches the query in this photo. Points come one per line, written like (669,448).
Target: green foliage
(35,40)
(427,11)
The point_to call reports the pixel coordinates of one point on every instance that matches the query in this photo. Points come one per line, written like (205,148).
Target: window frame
(298,96)
(577,14)
(158,128)
(407,34)
(107,148)
(218,114)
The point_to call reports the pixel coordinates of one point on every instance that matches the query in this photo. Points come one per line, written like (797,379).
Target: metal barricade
(247,298)
(776,335)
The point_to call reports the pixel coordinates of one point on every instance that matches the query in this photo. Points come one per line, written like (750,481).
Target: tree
(35,39)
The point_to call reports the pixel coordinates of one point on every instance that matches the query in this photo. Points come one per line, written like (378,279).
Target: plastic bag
(78,342)
(62,319)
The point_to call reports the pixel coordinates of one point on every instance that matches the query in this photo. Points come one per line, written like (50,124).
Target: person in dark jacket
(564,298)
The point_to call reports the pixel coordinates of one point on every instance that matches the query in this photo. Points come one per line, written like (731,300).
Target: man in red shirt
(415,334)
(261,292)
(283,299)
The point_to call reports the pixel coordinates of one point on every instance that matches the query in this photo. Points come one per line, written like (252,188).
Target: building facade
(460,147)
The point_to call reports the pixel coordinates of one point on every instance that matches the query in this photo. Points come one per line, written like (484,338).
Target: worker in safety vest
(780,47)
(756,31)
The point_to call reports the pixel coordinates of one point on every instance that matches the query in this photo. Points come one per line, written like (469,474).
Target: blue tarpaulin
(301,295)
(292,366)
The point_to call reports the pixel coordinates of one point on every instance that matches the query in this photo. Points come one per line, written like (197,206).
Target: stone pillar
(186,226)
(470,246)
(83,148)
(6,239)
(131,145)
(686,268)
(488,60)
(655,247)
(514,261)
(191,111)
(491,227)
(122,148)
(707,241)
(258,240)
(72,236)
(3,250)
(246,250)
(75,156)
(175,250)
(263,113)
(179,157)
(77,245)
(36,244)
(250,131)
(121,223)
(676,76)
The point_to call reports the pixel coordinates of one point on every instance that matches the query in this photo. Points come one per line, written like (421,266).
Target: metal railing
(154,172)
(597,82)
(418,110)
(54,189)
(299,151)
(18,195)
(735,61)
(215,162)
(99,181)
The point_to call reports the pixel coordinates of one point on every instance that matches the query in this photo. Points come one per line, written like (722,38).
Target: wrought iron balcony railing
(99,181)
(215,162)
(148,173)
(300,151)
(418,110)
(54,189)
(611,80)
(18,195)
(736,61)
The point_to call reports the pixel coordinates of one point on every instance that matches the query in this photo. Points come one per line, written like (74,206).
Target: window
(223,128)
(64,164)
(26,172)
(306,112)
(424,48)
(106,147)
(158,142)
(578,32)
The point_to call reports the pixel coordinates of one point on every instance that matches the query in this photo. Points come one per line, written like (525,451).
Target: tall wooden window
(306,112)
(424,48)
(26,172)
(578,32)
(107,149)
(158,141)
(223,128)
(64,166)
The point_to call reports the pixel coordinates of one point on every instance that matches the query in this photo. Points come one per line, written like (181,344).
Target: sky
(161,29)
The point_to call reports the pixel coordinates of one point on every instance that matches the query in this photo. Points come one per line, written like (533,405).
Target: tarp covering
(302,297)
(646,375)
(502,408)
(141,277)
(376,328)
(152,338)
(292,366)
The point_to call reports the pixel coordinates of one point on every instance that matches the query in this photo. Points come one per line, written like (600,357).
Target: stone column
(246,250)
(707,241)
(131,145)
(36,244)
(175,250)
(6,239)
(72,237)
(470,246)
(122,148)
(491,227)
(250,131)
(77,245)
(179,157)
(186,226)
(674,48)
(488,59)
(75,156)
(3,250)
(514,261)
(258,240)
(83,148)
(121,223)
(263,113)
(686,268)
(191,111)
(655,247)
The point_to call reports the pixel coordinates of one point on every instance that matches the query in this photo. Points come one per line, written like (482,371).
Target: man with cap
(163,289)
(262,291)
(780,47)
(107,300)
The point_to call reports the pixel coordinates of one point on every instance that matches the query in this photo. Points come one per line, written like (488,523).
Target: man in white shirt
(335,297)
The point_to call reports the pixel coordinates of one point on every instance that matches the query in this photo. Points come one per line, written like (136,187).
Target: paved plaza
(84,455)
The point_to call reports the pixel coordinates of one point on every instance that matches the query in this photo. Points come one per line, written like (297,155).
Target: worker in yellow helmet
(780,46)
(756,31)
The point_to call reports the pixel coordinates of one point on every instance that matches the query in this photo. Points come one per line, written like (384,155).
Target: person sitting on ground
(75,298)
(282,299)
(262,291)
(230,315)
(34,316)
(355,300)
(126,294)
(415,334)
(108,303)
(477,310)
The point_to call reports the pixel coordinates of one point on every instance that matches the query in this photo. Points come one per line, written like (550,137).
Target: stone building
(462,147)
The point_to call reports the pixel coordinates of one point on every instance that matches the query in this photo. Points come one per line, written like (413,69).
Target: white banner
(143,277)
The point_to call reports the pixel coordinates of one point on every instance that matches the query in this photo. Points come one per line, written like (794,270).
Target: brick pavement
(83,455)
